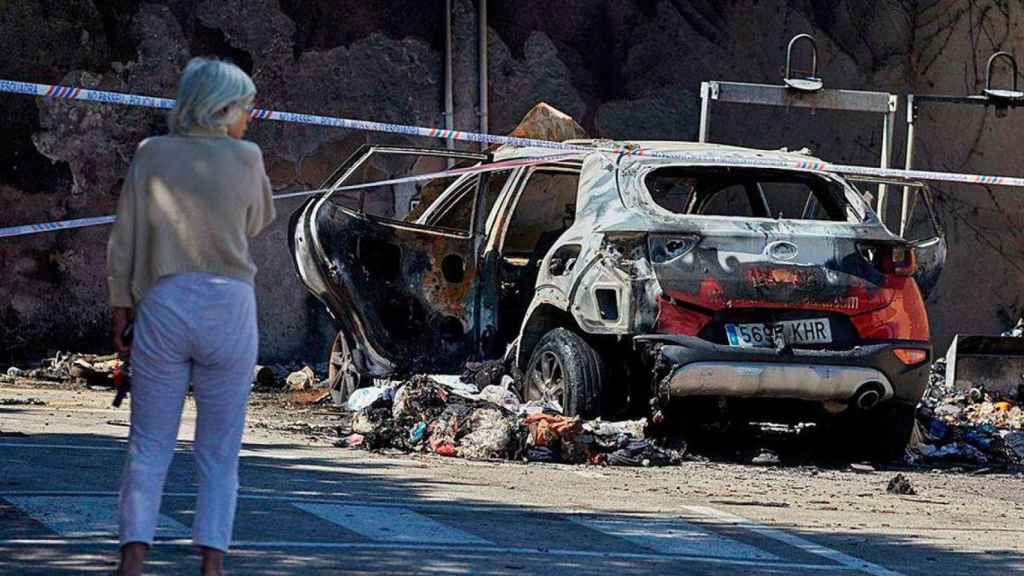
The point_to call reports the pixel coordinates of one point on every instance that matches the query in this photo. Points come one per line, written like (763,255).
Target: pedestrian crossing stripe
(389,524)
(86,516)
(670,536)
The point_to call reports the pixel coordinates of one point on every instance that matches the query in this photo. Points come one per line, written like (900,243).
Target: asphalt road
(314,509)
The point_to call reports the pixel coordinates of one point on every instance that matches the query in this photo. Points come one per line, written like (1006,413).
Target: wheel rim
(340,372)
(547,379)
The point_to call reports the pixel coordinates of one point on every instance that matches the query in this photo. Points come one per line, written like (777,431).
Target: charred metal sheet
(992,363)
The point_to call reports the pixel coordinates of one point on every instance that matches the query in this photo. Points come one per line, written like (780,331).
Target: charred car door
(396,264)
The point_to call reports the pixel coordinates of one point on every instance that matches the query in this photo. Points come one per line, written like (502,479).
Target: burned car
(616,281)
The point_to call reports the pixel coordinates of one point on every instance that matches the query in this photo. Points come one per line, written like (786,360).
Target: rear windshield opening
(750,193)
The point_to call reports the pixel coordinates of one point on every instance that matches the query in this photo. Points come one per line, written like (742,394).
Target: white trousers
(198,328)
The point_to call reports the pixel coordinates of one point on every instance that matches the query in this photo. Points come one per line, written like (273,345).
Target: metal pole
(888,129)
(705,111)
(449,92)
(484,120)
(905,208)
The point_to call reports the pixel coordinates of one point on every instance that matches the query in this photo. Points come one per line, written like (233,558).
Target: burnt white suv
(611,279)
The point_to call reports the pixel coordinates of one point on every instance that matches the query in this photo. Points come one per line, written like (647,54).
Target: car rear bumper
(695,367)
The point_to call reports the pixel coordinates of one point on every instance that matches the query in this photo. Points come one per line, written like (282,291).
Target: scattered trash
(304,379)
(490,438)
(366,397)
(900,485)
(22,402)
(862,468)
(351,441)
(960,426)
(1015,445)
(766,458)
(448,416)
(633,428)
(264,376)
(484,374)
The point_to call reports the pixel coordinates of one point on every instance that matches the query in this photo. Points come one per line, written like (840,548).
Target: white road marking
(673,537)
(83,517)
(389,524)
(42,446)
(490,551)
(795,541)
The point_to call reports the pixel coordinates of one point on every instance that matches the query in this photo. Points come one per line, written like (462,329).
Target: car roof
(658,146)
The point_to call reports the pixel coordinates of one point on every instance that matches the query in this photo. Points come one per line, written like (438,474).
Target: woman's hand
(121,317)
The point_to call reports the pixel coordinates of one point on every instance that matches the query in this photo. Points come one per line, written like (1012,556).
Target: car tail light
(911,356)
(895,260)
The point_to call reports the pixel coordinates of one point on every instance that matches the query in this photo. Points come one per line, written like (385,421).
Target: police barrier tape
(719,158)
(28,229)
(722,158)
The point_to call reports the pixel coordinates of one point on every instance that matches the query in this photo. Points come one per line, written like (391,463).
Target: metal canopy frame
(806,92)
(1002,100)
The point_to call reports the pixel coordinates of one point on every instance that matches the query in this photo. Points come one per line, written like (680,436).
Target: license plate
(813,331)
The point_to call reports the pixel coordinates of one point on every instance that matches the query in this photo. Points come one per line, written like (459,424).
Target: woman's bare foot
(212,562)
(133,555)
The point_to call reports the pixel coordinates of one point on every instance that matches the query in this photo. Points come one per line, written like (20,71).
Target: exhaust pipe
(868,396)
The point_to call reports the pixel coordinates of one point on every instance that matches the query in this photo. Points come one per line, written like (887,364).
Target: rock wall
(624,68)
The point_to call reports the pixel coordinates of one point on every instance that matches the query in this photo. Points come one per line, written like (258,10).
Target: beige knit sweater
(189,204)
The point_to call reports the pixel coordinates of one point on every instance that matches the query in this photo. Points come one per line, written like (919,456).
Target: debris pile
(970,427)
(96,371)
(92,369)
(453,416)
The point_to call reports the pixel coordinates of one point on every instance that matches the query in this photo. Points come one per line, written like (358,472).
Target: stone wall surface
(623,68)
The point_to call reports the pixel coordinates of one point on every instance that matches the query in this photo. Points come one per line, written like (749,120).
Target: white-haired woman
(178,261)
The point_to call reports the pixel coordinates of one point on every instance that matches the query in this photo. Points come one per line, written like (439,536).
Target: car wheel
(890,429)
(881,434)
(565,369)
(342,376)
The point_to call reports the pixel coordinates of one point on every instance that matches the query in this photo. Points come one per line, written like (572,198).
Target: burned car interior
(745,193)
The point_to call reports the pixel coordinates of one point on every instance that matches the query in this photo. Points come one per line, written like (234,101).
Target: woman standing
(178,260)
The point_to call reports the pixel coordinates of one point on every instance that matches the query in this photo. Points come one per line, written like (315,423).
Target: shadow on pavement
(277,538)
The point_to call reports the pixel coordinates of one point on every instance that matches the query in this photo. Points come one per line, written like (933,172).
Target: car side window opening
(746,193)
(445,202)
(546,207)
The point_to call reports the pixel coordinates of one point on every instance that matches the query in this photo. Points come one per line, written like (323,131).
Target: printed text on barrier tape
(70,92)
(28,229)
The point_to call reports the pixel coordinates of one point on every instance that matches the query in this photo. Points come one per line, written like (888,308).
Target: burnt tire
(889,429)
(880,435)
(342,377)
(580,367)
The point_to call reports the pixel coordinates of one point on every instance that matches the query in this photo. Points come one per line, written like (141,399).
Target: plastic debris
(304,379)
(363,398)
(632,428)
(766,458)
(351,441)
(501,396)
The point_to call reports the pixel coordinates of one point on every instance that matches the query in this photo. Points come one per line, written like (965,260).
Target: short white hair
(211,95)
